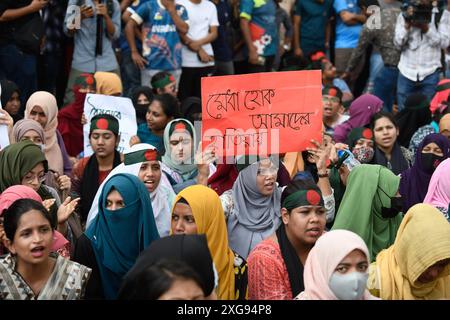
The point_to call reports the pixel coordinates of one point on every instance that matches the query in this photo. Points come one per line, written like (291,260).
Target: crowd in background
(362,214)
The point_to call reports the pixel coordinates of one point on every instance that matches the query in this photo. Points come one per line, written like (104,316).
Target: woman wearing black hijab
(10,98)
(191,109)
(141,97)
(415,115)
(189,251)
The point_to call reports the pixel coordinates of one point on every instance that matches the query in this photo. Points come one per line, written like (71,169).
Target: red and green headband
(141,156)
(303,198)
(105,122)
(161,83)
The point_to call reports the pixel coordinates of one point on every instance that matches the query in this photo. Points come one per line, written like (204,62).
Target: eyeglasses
(268,171)
(31,177)
(330,99)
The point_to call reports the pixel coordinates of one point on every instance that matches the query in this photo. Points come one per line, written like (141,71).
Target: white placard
(121,108)
(4,139)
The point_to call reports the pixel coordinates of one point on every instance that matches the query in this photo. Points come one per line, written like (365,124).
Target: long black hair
(19,207)
(157,279)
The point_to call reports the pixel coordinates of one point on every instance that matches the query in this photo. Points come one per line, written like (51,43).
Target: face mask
(141,110)
(42,146)
(363,154)
(430,161)
(350,286)
(394,209)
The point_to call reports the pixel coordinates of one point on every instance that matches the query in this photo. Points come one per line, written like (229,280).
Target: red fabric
(267,273)
(69,124)
(78,170)
(102,176)
(223,179)
(439,97)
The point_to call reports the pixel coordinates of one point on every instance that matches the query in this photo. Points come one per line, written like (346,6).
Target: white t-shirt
(201,17)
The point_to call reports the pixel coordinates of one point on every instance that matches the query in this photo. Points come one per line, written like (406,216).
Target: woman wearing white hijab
(137,158)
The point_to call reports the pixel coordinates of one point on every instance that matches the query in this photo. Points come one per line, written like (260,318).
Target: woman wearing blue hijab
(124,227)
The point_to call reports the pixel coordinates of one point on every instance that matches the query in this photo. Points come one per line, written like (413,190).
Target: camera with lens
(417,11)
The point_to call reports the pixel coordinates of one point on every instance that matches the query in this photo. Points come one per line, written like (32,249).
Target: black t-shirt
(7,28)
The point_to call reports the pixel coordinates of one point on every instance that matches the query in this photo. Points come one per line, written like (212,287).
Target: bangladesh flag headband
(161,83)
(105,123)
(180,126)
(141,156)
(444,86)
(302,198)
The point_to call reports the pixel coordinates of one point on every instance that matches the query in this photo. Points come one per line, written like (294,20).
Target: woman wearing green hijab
(17,161)
(371,206)
(123,228)
(180,142)
(23,163)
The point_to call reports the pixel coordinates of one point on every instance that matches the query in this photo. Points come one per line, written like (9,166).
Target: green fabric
(141,156)
(358,133)
(442,87)
(105,122)
(185,170)
(161,83)
(16,160)
(360,210)
(85,80)
(302,198)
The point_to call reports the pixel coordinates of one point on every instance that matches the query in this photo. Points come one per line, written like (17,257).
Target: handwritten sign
(4,139)
(263,113)
(121,108)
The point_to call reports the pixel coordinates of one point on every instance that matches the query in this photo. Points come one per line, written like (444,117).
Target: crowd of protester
(362,214)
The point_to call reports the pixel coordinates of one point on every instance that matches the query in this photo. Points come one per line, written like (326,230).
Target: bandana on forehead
(180,126)
(359,133)
(332,91)
(161,83)
(85,80)
(442,87)
(302,198)
(319,55)
(367,134)
(105,122)
(141,156)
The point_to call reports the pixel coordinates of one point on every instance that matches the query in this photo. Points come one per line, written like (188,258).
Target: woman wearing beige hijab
(417,265)
(108,83)
(42,107)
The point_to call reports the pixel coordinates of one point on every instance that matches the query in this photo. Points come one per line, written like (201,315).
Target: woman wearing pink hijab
(360,112)
(9,196)
(337,268)
(438,194)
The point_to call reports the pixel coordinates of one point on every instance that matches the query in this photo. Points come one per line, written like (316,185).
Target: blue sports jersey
(162,45)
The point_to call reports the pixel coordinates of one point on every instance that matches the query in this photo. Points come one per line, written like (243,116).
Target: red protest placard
(262,113)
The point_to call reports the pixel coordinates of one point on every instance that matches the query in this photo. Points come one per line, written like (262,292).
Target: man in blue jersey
(130,73)
(259,29)
(164,22)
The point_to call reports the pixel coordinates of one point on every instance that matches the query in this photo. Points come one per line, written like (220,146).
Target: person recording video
(93,51)
(420,37)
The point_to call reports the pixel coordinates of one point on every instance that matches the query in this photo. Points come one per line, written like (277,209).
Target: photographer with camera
(420,41)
